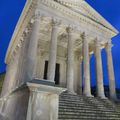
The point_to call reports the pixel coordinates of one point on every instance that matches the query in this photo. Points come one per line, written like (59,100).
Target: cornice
(94,15)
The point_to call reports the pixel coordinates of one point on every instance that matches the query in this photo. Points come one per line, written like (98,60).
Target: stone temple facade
(50,42)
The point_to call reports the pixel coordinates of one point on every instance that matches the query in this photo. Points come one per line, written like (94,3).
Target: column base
(88,95)
(14,103)
(79,91)
(114,98)
(102,96)
(2,117)
(72,92)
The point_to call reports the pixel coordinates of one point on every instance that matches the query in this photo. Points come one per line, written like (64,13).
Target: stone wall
(14,106)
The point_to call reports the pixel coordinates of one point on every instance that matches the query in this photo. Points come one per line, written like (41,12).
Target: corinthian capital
(55,22)
(109,44)
(83,36)
(70,29)
(37,14)
(97,42)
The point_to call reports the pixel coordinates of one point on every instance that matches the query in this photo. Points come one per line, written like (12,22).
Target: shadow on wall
(2,76)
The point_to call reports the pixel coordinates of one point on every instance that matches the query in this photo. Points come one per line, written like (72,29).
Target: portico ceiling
(45,36)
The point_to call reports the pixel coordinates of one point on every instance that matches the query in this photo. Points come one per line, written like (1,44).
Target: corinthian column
(70,60)
(100,86)
(110,71)
(33,43)
(86,67)
(53,51)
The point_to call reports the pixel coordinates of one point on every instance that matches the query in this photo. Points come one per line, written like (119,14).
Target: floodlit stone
(43,102)
(51,41)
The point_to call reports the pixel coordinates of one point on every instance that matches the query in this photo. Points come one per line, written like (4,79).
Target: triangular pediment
(83,8)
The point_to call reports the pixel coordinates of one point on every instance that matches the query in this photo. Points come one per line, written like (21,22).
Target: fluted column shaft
(99,72)
(86,67)
(110,71)
(32,49)
(53,52)
(79,82)
(70,61)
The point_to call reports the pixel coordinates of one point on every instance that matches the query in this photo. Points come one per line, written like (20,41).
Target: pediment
(83,8)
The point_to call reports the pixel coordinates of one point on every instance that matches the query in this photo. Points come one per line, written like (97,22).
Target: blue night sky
(110,9)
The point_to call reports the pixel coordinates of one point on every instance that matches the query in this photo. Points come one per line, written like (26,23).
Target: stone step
(88,114)
(65,108)
(99,103)
(77,99)
(72,98)
(88,117)
(81,102)
(82,118)
(74,103)
(89,111)
(83,106)
(74,107)
(108,103)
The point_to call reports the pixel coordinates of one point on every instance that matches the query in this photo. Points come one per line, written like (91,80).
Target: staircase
(118,106)
(76,107)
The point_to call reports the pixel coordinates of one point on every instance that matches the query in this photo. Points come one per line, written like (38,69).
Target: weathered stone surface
(3,117)
(35,28)
(78,107)
(16,104)
(43,102)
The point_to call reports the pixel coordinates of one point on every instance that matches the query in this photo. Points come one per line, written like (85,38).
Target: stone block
(43,102)
(16,104)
